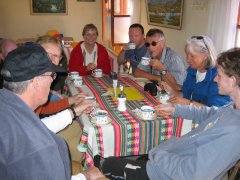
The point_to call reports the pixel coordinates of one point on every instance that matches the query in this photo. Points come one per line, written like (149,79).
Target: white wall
(195,20)
(18,23)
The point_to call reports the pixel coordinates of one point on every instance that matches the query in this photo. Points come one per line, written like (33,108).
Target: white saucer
(97,76)
(93,120)
(154,117)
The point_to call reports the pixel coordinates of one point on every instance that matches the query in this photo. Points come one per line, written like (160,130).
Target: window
(115,20)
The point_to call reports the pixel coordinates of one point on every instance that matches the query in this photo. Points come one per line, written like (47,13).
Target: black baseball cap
(27,62)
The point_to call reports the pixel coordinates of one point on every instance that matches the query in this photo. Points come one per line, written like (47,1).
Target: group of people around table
(208,91)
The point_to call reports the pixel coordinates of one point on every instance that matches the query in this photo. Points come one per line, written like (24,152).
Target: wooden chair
(234,171)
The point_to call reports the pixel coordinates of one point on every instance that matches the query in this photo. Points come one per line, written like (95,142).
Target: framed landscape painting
(165,13)
(48,7)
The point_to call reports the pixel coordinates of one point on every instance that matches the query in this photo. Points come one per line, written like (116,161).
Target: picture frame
(48,7)
(165,13)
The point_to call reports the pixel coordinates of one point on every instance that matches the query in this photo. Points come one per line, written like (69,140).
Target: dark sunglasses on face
(152,43)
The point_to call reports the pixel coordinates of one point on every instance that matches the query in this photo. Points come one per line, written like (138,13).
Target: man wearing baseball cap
(28,149)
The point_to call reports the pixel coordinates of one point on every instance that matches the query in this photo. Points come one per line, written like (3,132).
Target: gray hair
(154,31)
(204,45)
(15,87)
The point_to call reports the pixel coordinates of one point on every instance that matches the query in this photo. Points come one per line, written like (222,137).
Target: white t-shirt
(89,57)
(200,76)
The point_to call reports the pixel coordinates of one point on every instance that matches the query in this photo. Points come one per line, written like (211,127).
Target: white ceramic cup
(147,112)
(74,74)
(131,45)
(78,81)
(97,73)
(163,98)
(101,116)
(145,61)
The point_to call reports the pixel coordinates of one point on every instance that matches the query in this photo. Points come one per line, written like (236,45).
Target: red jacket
(76,62)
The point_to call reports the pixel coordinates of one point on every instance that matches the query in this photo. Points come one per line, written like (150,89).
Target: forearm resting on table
(143,74)
(169,78)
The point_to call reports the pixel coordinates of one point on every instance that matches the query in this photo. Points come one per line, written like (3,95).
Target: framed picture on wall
(165,13)
(48,7)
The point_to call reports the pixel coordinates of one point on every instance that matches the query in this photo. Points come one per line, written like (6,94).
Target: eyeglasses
(53,75)
(153,43)
(55,55)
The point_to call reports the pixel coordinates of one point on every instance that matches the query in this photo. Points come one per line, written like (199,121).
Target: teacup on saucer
(147,112)
(101,116)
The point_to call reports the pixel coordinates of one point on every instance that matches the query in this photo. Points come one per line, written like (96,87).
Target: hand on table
(74,100)
(86,106)
(167,88)
(93,173)
(164,110)
(179,100)
(91,66)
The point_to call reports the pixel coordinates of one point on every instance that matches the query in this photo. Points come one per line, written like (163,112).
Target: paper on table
(131,93)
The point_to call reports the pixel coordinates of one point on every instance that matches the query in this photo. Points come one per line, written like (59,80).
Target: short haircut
(88,27)
(48,39)
(16,87)
(230,62)
(155,31)
(136,25)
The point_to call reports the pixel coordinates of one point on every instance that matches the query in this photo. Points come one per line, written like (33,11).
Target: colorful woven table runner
(133,136)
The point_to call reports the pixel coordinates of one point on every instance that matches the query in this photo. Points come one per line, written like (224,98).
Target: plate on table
(97,76)
(94,121)
(139,115)
(154,117)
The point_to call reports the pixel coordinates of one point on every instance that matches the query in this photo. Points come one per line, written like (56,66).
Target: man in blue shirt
(136,36)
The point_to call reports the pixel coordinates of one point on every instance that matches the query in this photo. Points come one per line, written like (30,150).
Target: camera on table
(151,88)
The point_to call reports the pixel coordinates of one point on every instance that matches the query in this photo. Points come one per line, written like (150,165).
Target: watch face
(164,72)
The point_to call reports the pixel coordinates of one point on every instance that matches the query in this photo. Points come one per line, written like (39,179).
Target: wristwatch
(164,72)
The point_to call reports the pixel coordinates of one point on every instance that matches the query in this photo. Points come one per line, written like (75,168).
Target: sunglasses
(201,38)
(197,37)
(152,43)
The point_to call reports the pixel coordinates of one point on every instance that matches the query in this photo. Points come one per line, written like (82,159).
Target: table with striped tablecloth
(127,134)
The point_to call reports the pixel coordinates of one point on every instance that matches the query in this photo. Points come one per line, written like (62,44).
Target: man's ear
(36,83)
(234,81)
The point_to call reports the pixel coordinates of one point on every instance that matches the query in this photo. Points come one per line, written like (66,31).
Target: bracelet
(74,112)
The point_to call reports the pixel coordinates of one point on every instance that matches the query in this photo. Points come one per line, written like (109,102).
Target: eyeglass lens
(152,43)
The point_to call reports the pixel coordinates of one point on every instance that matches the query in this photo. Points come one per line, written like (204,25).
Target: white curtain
(222,23)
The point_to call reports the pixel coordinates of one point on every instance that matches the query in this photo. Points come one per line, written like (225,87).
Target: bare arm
(141,73)
(121,58)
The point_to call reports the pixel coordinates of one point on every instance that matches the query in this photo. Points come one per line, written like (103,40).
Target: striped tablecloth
(127,134)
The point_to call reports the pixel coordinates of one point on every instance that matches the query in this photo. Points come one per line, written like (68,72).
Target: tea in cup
(132,46)
(147,112)
(145,61)
(97,73)
(101,116)
(78,81)
(74,74)
(164,97)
